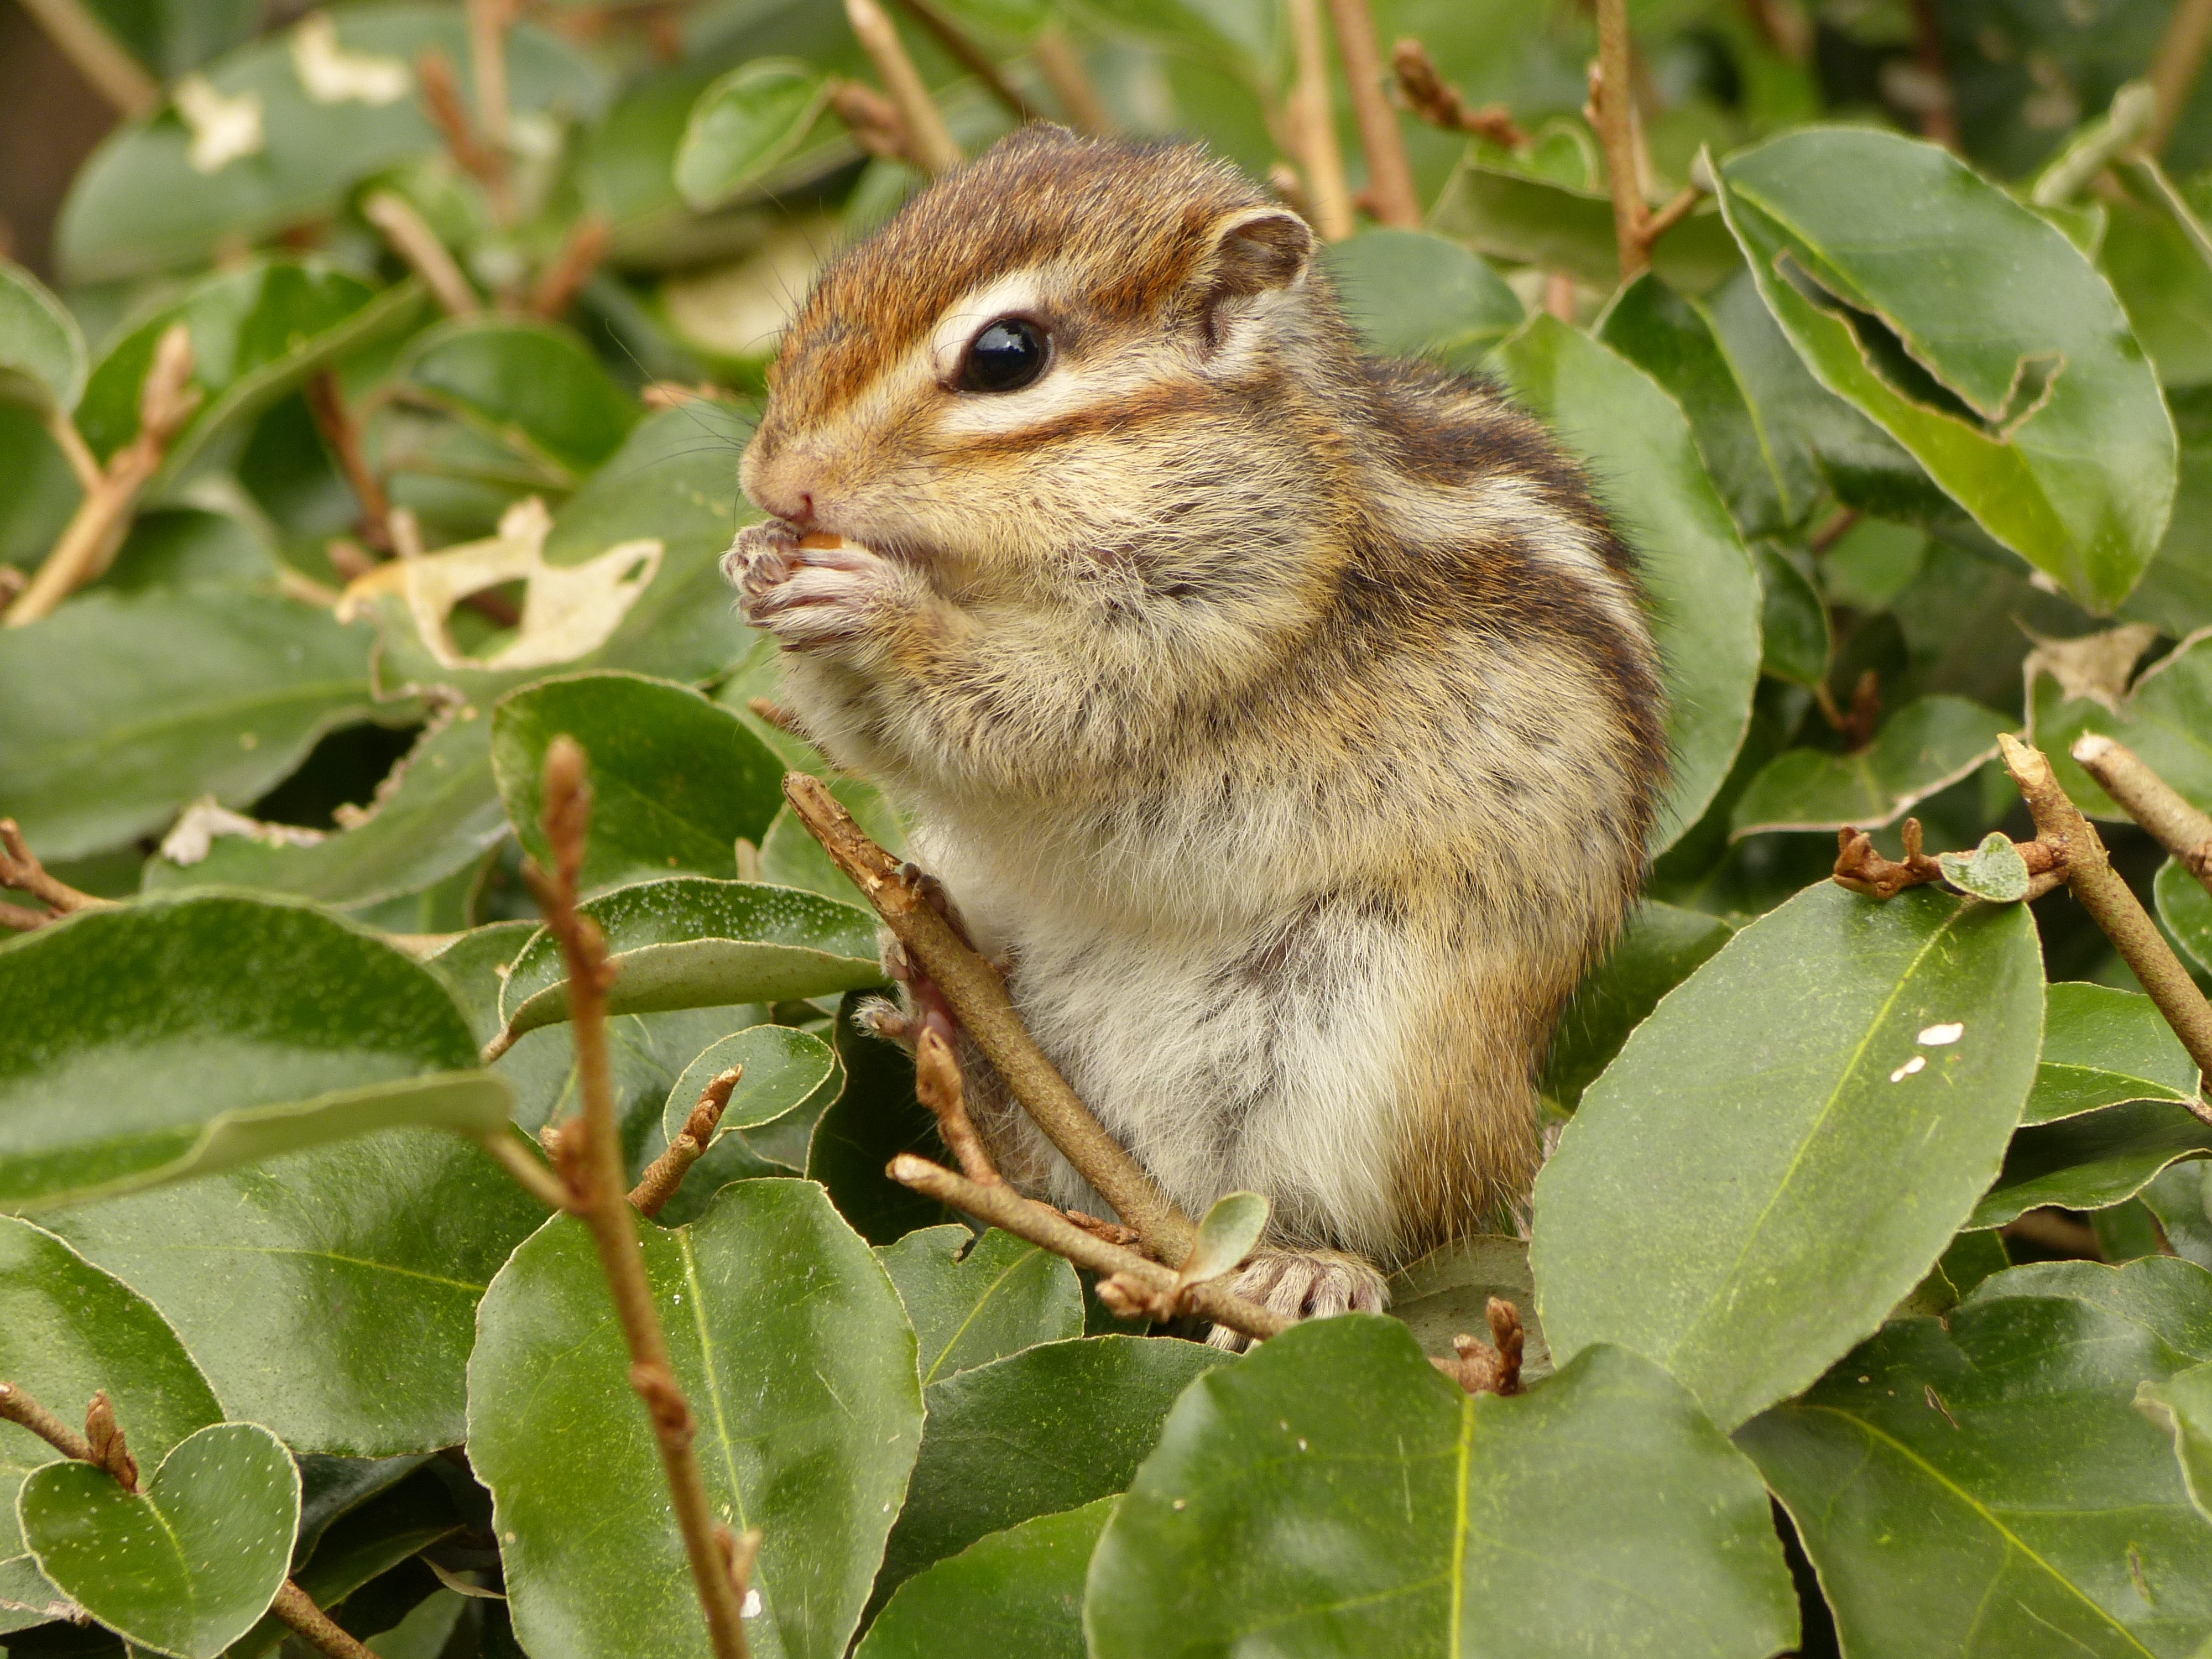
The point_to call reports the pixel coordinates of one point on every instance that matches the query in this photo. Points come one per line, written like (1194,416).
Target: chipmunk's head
(1073,355)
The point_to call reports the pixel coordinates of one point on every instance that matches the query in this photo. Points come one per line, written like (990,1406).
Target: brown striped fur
(1289,718)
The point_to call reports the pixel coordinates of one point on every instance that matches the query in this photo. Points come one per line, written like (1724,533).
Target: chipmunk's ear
(1256,249)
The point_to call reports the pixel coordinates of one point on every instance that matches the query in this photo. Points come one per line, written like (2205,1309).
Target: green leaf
(876,1118)
(791,1345)
(1011,1595)
(743,124)
(122,707)
(2092,1159)
(1702,591)
(1227,1233)
(2182,1405)
(2187,909)
(1413,294)
(2176,591)
(258,333)
(437,814)
(973,1298)
(1767,486)
(1037,1432)
(1994,870)
(1989,1489)
(785,1070)
(676,780)
(1785,1145)
(531,386)
(1794,638)
(1974,333)
(1927,746)
(2101,1047)
(69,1331)
(2163,717)
(688,942)
(272,1027)
(1446,1293)
(1410,1523)
(1508,213)
(187,1565)
(1659,949)
(2166,287)
(42,355)
(140,204)
(329,1294)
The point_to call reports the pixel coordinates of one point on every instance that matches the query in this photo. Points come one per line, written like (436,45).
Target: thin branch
(18,1408)
(297,1609)
(167,399)
(1438,102)
(665,1173)
(936,1084)
(2052,1230)
(564,276)
(83,464)
(1061,64)
(488,21)
(442,99)
(1610,91)
(1389,175)
(2152,802)
(1492,1367)
(971,57)
(79,36)
(1938,121)
(1658,223)
(1004,1207)
(1311,119)
(413,240)
(588,1152)
(977,995)
(928,141)
(326,403)
(21,870)
(2112,905)
(529,1173)
(874,120)
(1863,870)
(2175,66)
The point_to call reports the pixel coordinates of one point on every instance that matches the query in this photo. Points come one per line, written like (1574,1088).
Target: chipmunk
(1288,719)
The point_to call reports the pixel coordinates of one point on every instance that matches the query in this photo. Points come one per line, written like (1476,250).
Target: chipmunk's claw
(1305,1284)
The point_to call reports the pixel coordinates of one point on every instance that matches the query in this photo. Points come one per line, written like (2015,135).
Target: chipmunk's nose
(786,488)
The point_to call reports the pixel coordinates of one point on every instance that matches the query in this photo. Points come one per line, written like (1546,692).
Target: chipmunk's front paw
(1305,1284)
(809,596)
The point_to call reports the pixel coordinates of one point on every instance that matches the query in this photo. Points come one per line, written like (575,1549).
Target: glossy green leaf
(437,814)
(1013,1594)
(743,124)
(185,1566)
(2176,591)
(329,1294)
(27,1599)
(273,1027)
(688,942)
(1994,870)
(37,491)
(1227,1233)
(973,1298)
(2182,1404)
(875,1119)
(1509,213)
(2187,909)
(2101,1047)
(1413,294)
(2092,1159)
(1974,333)
(140,204)
(42,355)
(533,386)
(1446,1293)
(1989,1489)
(1768,486)
(1794,638)
(2163,717)
(1597,1513)
(676,780)
(257,332)
(1702,591)
(1037,1432)
(1659,949)
(69,1331)
(1925,746)
(799,1365)
(2165,287)
(122,707)
(2178,1200)
(785,1069)
(1784,1146)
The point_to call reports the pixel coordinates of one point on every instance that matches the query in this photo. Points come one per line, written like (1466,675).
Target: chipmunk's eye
(1005,358)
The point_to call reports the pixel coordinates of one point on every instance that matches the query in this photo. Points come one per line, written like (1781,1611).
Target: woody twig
(1438,102)
(665,1173)
(587,1153)
(22,872)
(566,273)
(103,1446)
(928,141)
(2152,802)
(971,57)
(1635,226)
(167,400)
(1860,867)
(1389,173)
(414,241)
(937,1085)
(1493,1367)
(977,995)
(1061,65)
(1311,119)
(326,403)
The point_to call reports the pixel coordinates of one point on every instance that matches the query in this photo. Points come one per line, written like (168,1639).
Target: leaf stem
(588,1152)
(1389,175)
(2112,906)
(978,998)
